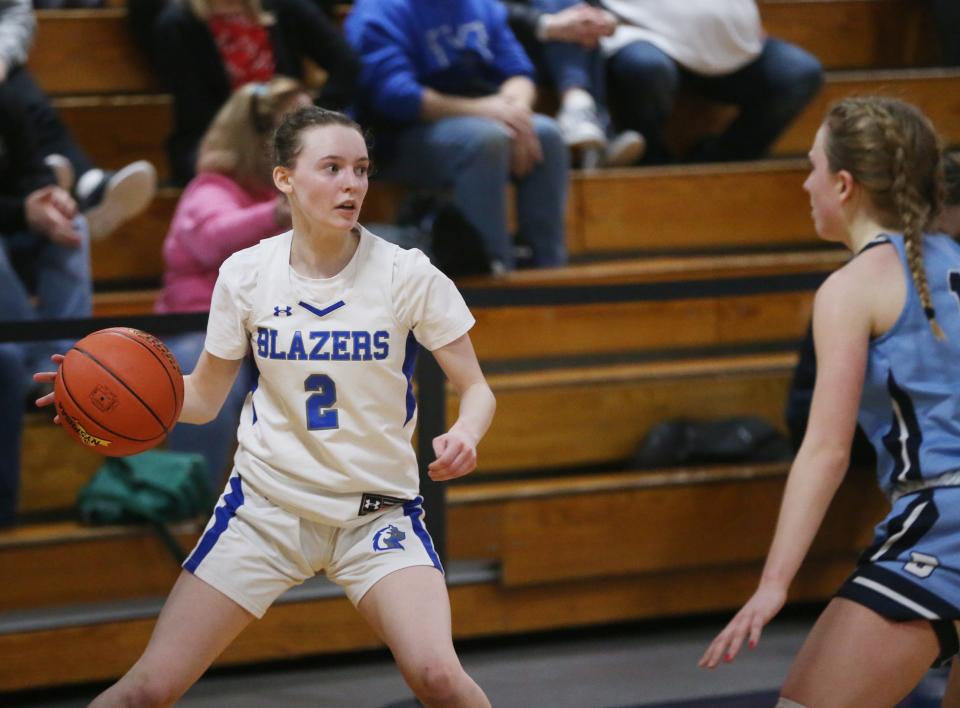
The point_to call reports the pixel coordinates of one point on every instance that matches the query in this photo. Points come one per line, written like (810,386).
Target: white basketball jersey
(332,414)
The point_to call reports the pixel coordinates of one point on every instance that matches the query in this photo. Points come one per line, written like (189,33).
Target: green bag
(155,487)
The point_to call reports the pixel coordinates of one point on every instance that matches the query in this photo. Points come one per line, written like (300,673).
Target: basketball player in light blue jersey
(887,334)
(325,478)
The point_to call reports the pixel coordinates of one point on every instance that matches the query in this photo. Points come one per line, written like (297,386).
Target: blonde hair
(237,143)
(892,150)
(252,9)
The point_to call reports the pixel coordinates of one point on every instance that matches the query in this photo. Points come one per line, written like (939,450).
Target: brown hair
(892,150)
(237,142)
(287,140)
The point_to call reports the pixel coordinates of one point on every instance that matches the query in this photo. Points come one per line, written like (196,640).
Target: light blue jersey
(910,410)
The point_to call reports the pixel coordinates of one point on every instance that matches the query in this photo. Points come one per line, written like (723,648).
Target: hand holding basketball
(117,391)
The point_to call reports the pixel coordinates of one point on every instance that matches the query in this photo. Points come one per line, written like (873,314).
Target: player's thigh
(855,657)
(196,624)
(410,610)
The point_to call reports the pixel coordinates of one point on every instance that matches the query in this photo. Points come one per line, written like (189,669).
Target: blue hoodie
(458,47)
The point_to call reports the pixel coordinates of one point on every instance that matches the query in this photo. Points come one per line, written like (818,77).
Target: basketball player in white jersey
(325,477)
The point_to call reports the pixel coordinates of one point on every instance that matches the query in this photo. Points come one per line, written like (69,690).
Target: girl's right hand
(48,377)
(766,602)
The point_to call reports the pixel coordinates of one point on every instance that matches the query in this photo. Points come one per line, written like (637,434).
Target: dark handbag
(156,487)
(675,443)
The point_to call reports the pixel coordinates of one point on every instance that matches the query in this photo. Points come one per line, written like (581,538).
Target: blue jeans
(59,276)
(213,440)
(472,155)
(770,92)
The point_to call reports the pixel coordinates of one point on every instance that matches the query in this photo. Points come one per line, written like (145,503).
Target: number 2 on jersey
(320,412)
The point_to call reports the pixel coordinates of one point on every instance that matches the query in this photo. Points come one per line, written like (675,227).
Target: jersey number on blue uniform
(320,413)
(954,277)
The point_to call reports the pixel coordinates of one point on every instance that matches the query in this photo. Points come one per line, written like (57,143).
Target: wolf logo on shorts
(388,538)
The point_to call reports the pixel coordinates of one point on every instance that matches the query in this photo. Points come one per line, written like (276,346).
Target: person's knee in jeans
(794,76)
(642,87)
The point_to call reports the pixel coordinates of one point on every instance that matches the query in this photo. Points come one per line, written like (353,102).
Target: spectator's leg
(13,385)
(52,135)
(770,91)
(946,16)
(214,440)
(542,198)
(642,83)
(473,156)
(64,287)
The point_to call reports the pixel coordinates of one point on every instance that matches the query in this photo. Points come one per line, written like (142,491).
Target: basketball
(119,391)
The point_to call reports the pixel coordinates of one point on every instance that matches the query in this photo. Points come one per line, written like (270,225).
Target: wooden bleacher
(723,289)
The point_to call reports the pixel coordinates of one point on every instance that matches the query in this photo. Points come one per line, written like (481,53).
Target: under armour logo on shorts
(372,503)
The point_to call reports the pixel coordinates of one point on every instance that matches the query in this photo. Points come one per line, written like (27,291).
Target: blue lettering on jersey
(336,345)
(274,354)
(296,348)
(317,353)
(361,346)
(381,342)
(340,340)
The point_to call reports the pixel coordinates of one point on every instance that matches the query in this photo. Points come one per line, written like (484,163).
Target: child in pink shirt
(231,204)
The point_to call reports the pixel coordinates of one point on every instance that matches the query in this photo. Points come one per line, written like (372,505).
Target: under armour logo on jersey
(282,311)
(388,539)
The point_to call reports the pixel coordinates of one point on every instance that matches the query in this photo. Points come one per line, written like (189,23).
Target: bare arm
(841,324)
(457,448)
(206,388)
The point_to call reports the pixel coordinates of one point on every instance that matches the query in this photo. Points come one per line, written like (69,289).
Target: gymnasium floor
(634,666)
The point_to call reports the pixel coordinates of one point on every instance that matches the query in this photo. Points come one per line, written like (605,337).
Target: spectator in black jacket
(44,272)
(205,49)
(107,198)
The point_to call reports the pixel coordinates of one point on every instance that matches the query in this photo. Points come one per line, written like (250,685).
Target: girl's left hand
(456,456)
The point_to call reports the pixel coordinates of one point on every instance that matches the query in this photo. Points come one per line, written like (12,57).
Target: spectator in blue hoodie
(449,91)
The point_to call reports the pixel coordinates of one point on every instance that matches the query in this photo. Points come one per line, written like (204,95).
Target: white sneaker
(625,149)
(580,128)
(112,199)
(62,170)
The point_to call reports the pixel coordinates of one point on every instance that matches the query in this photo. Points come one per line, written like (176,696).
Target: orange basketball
(119,391)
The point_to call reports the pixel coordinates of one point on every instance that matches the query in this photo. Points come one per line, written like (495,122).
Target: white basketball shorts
(252,550)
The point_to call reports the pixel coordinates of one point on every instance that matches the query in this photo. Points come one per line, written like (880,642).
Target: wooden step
(89,51)
(856,34)
(685,208)
(116,130)
(933,90)
(579,416)
(546,419)
(97,652)
(561,543)
(94,52)
(525,526)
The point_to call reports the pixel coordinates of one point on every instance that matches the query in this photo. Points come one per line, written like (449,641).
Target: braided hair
(893,151)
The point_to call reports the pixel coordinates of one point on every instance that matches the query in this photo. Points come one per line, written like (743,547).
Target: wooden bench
(549,419)
(737,207)
(93,51)
(118,129)
(656,562)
